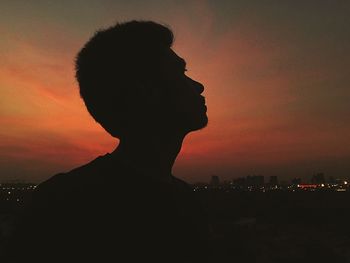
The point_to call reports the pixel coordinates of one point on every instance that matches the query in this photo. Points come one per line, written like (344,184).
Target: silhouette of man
(125,206)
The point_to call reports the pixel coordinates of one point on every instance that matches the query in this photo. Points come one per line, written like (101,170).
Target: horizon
(207,180)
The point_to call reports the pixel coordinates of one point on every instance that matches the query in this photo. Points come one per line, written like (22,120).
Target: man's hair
(114,64)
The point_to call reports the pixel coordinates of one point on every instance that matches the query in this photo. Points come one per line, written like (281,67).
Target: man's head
(132,81)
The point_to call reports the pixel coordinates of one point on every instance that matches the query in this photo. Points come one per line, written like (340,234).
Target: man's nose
(198,86)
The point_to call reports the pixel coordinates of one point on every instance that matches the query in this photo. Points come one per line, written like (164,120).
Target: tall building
(273,181)
(215,181)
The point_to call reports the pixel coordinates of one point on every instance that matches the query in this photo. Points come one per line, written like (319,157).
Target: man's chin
(199,124)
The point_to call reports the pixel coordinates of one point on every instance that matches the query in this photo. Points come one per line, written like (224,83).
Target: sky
(276,77)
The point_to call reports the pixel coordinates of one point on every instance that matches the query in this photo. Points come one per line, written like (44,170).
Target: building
(240,182)
(318,179)
(273,181)
(296,181)
(215,181)
(255,180)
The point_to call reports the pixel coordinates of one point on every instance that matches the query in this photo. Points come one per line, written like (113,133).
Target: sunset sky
(276,74)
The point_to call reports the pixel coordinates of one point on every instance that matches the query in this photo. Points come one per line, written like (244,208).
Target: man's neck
(153,155)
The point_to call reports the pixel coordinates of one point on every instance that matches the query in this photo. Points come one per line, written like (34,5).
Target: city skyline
(276,79)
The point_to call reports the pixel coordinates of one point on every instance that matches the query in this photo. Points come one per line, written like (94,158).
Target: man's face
(182,103)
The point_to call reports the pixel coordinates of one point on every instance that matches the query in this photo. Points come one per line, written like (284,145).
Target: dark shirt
(106,211)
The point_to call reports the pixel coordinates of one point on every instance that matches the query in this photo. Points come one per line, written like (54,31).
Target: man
(126,206)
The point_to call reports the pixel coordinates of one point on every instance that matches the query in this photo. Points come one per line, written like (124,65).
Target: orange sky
(276,78)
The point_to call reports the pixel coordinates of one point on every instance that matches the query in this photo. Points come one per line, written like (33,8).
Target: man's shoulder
(182,184)
(64,183)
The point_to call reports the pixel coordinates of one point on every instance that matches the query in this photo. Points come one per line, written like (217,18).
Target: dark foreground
(280,226)
(276,226)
